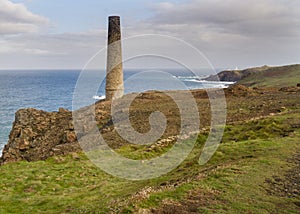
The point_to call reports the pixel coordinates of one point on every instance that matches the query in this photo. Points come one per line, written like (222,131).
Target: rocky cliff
(37,135)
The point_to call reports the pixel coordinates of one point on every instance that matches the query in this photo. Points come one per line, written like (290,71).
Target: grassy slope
(274,77)
(233,181)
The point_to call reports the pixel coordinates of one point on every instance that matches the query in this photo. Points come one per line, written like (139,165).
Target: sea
(51,89)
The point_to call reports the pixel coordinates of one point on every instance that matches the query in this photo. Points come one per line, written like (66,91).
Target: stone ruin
(114,68)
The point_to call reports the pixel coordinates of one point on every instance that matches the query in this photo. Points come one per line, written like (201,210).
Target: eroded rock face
(37,135)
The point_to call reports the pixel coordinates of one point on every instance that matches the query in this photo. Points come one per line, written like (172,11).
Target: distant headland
(264,76)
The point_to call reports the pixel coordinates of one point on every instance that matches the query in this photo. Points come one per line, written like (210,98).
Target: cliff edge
(265,76)
(37,135)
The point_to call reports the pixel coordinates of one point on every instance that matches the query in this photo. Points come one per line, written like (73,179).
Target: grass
(238,180)
(232,182)
(245,191)
(274,77)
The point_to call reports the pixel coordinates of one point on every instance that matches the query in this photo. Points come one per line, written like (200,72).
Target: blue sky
(66,34)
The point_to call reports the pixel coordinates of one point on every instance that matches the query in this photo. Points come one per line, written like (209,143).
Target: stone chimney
(114,67)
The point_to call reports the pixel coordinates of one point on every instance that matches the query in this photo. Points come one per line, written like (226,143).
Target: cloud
(65,50)
(247,17)
(16,18)
(230,33)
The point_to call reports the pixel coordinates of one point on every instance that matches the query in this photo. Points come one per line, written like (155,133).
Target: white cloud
(16,18)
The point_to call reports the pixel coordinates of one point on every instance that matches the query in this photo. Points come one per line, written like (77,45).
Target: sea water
(51,89)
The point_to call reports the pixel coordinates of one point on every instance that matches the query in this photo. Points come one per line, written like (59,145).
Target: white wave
(99,97)
(194,80)
(221,86)
(185,77)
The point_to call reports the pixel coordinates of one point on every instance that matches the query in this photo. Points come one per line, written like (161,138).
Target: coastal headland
(256,167)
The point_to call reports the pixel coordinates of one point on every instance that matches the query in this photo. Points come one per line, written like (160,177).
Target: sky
(65,34)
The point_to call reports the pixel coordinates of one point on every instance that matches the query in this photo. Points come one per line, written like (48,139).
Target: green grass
(240,180)
(274,77)
(260,129)
(232,182)
(59,185)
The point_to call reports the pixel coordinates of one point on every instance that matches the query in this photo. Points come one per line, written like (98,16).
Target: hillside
(255,169)
(264,76)
(274,77)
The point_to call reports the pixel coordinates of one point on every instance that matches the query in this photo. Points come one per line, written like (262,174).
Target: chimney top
(114,17)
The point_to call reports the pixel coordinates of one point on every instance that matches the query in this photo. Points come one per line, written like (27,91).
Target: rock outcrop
(37,135)
(235,75)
